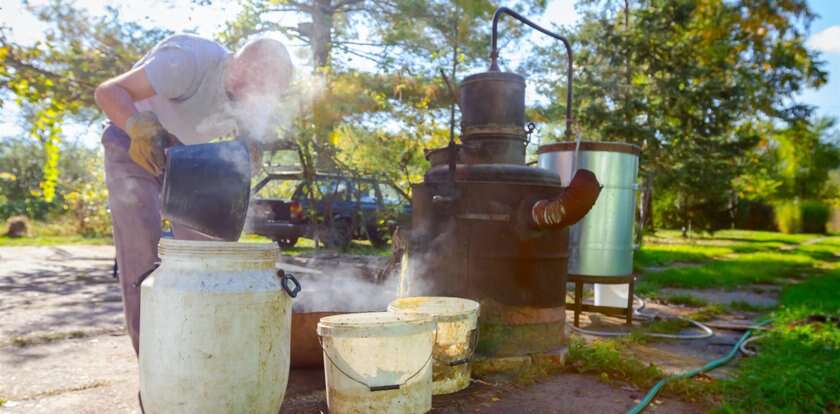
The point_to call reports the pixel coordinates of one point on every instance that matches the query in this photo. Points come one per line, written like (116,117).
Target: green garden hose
(688,374)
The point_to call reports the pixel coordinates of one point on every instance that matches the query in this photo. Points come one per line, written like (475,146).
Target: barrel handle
(471,353)
(146,274)
(375,388)
(284,281)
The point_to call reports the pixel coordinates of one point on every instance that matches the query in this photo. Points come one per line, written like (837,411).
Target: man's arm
(116,96)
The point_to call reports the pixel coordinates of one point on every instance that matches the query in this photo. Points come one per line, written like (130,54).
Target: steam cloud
(266,118)
(343,288)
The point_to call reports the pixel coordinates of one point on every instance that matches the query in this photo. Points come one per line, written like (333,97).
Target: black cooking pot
(206,187)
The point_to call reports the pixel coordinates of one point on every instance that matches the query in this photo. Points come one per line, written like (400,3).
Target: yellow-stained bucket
(455,341)
(378,362)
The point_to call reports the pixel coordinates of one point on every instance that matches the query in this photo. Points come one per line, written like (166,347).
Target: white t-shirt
(190,101)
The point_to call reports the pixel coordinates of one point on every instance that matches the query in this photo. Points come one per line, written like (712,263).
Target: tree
(402,89)
(80,189)
(806,155)
(689,81)
(53,80)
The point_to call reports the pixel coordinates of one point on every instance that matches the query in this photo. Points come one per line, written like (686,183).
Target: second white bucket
(455,340)
(378,362)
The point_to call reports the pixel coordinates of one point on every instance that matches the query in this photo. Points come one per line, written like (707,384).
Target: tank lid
(441,307)
(374,324)
(591,146)
(204,249)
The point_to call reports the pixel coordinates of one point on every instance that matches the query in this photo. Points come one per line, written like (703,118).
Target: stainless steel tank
(602,243)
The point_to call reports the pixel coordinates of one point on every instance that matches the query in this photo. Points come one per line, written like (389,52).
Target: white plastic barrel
(377,362)
(214,329)
(455,340)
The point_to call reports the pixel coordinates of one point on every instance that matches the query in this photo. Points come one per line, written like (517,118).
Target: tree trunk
(321,44)
(645,218)
(321,36)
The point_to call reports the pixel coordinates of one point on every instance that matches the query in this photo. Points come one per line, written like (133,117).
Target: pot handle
(285,278)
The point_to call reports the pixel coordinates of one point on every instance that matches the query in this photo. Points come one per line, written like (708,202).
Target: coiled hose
(637,313)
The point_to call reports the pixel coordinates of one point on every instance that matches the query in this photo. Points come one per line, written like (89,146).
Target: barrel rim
(168,248)
(369,324)
(622,147)
(426,305)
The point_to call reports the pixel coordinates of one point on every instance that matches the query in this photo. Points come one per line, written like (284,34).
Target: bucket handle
(285,278)
(471,353)
(376,388)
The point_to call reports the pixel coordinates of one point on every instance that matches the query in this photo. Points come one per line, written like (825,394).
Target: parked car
(335,208)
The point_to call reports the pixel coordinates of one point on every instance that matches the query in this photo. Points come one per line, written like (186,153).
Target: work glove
(148,140)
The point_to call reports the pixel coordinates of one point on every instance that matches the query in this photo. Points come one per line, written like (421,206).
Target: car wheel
(285,243)
(339,235)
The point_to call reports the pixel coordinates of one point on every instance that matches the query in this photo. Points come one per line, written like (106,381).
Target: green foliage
(815,215)
(806,155)
(692,82)
(788,217)
(87,202)
(79,191)
(20,181)
(54,78)
(810,216)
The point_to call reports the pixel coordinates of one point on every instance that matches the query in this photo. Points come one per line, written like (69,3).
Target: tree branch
(346,3)
(26,66)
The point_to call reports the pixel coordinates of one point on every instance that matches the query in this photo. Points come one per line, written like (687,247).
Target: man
(186,89)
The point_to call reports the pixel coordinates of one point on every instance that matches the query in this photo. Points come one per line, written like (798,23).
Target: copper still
(485,226)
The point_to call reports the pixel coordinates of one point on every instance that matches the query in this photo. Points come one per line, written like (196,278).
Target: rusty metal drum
(602,243)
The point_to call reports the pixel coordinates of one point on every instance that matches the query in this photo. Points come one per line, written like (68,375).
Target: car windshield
(390,196)
(367,192)
(280,189)
(322,187)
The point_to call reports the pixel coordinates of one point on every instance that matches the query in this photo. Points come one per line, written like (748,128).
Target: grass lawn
(732,259)
(357,247)
(797,367)
(53,241)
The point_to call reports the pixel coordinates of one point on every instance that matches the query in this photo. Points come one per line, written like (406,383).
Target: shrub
(754,215)
(806,217)
(18,226)
(815,215)
(788,217)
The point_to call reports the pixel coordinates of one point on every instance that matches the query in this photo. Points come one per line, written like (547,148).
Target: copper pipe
(494,55)
(570,206)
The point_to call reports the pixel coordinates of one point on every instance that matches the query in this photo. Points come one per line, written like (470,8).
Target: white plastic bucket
(455,340)
(214,329)
(377,362)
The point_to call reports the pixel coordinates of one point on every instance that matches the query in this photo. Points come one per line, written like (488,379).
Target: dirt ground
(63,349)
